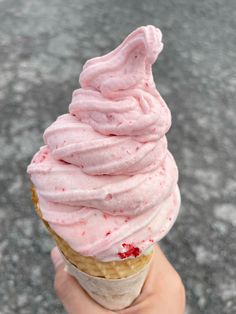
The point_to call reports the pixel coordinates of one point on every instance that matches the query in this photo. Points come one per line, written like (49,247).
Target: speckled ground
(43,45)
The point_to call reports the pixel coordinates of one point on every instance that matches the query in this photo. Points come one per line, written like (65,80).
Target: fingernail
(56,257)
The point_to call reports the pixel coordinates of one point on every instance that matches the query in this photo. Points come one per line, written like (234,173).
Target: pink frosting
(105,178)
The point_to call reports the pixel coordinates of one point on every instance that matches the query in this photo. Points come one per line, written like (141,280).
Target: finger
(163,281)
(162,285)
(56,257)
(74,299)
(161,269)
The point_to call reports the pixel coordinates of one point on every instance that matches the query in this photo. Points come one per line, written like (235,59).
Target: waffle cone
(113,294)
(90,265)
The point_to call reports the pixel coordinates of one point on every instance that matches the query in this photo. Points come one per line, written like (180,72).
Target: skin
(163,291)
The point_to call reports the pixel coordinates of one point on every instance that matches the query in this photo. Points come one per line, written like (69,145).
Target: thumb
(74,299)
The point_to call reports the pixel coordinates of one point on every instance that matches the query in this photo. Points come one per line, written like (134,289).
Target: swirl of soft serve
(105,179)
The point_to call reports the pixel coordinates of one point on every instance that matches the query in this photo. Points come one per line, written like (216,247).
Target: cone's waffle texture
(90,265)
(113,294)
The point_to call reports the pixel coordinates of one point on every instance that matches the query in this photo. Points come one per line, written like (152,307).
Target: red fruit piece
(107,234)
(131,251)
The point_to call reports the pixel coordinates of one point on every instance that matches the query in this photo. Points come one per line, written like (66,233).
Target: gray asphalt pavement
(43,45)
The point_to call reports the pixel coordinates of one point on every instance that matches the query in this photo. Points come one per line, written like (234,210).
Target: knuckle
(180,292)
(179,286)
(60,284)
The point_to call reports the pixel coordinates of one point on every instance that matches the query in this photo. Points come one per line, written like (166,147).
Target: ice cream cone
(113,294)
(113,284)
(106,181)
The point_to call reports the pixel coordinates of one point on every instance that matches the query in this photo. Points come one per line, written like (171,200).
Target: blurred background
(43,45)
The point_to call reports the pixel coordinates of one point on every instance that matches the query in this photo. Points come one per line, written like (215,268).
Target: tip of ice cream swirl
(126,66)
(118,94)
(118,97)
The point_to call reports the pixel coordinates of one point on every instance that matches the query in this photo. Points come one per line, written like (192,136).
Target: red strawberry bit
(162,170)
(64,162)
(105,216)
(108,233)
(127,219)
(131,251)
(108,197)
(40,157)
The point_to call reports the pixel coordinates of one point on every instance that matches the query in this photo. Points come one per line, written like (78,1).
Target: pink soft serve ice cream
(105,180)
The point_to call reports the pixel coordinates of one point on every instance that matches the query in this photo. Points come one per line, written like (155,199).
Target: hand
(163,291)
